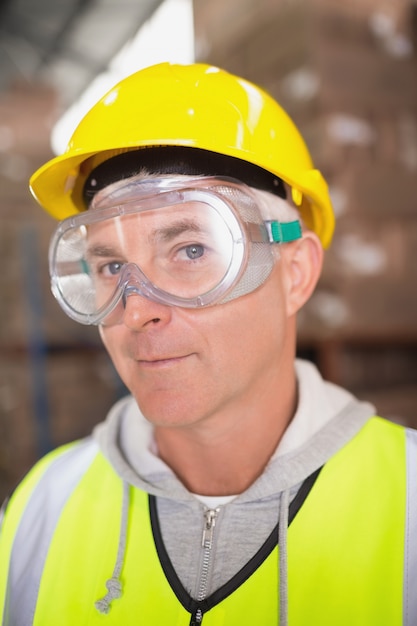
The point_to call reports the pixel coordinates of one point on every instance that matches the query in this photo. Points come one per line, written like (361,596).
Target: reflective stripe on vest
(410,555)
(37,527)
(352,550)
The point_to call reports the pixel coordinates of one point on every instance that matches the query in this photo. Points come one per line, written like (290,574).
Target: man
(193,227)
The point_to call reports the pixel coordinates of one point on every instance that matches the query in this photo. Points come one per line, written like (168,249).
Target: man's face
(187,366)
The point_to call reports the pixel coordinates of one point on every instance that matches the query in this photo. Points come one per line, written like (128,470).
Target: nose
(139,309)
(140,313)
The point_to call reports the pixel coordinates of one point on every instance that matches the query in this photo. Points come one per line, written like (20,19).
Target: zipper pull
(211,516)
(196,618)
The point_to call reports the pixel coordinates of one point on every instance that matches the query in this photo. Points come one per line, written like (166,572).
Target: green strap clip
(283,232)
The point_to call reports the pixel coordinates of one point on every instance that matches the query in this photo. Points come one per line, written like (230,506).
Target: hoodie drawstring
(282,559)
(113,584)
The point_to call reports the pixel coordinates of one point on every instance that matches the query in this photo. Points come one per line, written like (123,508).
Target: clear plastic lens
(71,272)
(184,247)
(185,251)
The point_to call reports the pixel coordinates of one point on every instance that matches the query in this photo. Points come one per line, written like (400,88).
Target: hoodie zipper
(197,612)
(196,618)
(210,518)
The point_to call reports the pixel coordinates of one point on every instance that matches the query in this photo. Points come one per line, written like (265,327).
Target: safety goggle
(181,242)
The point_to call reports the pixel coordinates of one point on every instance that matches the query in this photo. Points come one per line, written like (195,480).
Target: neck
(226,454)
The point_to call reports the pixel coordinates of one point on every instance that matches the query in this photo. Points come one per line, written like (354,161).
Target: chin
(166,409)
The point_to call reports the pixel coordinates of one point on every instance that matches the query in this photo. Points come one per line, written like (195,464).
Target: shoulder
(57,472)
(381,448)
(380,429)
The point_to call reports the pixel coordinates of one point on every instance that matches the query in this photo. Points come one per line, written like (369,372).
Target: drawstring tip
(113,584)
(102,606)
(114,587)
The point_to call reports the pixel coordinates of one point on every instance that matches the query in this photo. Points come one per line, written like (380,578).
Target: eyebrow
(176,228)
(101,250)
(166,233)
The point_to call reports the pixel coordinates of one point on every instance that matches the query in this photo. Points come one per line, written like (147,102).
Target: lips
(153,351)
(162,360)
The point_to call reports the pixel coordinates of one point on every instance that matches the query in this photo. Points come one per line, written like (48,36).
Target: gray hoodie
(209,540)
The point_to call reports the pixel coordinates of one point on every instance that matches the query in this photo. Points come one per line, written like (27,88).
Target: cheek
(255,323)
(112,341)
(103,336)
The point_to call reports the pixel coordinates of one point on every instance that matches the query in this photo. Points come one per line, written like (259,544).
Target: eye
(194,251)
(111,269)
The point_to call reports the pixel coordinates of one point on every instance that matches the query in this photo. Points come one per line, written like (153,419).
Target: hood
(327,417)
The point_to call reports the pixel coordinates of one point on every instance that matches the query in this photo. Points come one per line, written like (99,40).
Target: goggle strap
(283,232)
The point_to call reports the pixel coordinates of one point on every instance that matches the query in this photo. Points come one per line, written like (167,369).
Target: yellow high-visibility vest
(352,547)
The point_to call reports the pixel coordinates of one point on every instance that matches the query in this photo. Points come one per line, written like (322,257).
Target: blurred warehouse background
(346,72)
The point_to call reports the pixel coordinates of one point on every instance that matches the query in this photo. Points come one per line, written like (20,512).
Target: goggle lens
(182,246)
(185,251)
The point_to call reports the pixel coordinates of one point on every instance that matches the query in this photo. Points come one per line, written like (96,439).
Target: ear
(303,261)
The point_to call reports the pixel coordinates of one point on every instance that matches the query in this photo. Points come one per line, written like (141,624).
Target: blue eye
(114,268)
(195,251)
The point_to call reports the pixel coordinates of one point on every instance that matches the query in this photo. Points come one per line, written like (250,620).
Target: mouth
(165,361)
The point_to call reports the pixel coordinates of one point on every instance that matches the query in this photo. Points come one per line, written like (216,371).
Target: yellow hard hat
(196,106)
